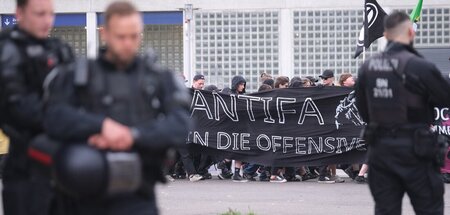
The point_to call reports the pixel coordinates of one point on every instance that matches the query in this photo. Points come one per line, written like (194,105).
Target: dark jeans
(396,170)
(23,193)
(205,162)
(323,171)
(188,160)
(251,168)
(194,163)
(25,197)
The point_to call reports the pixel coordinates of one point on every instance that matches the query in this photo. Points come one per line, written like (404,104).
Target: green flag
(415,15)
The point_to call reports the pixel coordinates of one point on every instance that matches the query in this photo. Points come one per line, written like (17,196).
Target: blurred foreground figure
(117,116)
(396,92)
(27,58)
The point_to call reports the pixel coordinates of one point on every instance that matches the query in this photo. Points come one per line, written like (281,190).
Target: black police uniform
(396,92)
(148,99)
(25,67)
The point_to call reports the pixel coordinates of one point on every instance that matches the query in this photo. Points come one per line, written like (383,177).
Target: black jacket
(150,100)
(26,65)
(425,81)
(235,83)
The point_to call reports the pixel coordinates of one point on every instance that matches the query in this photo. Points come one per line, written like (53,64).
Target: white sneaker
(195,178)
(337,179)
(278,179)
(170,178)
(298,178)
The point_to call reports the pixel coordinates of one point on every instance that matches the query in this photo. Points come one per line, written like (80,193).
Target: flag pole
(364,54)
(365,29)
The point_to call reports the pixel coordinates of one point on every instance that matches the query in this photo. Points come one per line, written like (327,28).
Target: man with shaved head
(396,92)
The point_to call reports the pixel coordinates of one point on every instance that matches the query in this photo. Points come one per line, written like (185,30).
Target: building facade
(221,39)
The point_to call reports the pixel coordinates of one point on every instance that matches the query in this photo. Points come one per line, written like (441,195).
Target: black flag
(373,26)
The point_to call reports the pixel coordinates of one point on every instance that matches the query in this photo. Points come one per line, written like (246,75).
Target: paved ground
(217,197)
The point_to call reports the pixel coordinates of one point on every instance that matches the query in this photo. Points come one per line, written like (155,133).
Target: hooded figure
(235,82)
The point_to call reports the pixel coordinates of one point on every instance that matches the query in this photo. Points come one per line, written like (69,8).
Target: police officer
(120,102)
(27,57)
(396,92)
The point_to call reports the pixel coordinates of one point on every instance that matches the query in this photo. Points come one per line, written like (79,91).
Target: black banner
(282,127)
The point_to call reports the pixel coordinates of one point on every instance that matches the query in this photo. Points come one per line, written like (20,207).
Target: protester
(312,80)
(327,78)
(353,171)
(198,82)
(251,170)
(296,82)
(282,82)
(328,174)
(270,82)
(238,84)
(306,82)
(264,87)
(277,172)
(265,76)
(188,157)
(346,80)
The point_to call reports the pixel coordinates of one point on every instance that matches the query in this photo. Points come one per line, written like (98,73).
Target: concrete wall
(74,6)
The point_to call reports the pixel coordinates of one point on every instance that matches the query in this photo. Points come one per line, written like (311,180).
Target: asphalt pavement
(212,197)
(308,197)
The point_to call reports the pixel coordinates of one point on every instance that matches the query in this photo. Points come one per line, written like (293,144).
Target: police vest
(142,103)
(390,90)
(125,101)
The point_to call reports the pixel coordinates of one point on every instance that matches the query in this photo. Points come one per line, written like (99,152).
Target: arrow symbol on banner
(7,22)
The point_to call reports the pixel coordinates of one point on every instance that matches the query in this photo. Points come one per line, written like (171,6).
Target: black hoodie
(235,83)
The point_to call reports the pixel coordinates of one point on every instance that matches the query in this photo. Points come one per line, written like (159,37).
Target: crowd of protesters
(195,167)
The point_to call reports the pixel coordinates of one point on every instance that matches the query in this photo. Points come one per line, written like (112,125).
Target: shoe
(264,175)
(360,179)
(309,176)
(170,178)
(290,177)
(179,176)
(446,178)
(238,178)
(305,177)
(195,178)
(316,171)
(206,176)
(249,177)
(278,179)
(337,179)
(350,173)
(325,180)
(225,175)
(299,177)
(222,165)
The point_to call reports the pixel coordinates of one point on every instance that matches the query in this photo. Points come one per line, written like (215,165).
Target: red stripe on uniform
(40,156)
